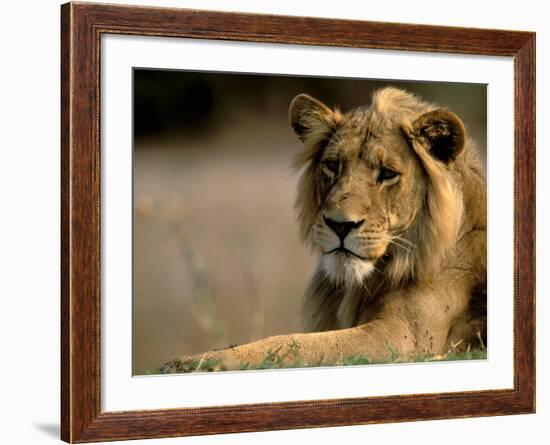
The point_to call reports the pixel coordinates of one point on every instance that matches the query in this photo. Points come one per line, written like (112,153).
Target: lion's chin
(346,270)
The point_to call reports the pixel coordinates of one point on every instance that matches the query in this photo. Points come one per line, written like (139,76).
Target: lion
(392,197)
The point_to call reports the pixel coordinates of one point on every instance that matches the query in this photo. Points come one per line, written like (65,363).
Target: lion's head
(378,189)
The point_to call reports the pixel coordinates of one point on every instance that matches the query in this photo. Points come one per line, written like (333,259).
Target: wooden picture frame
(82,25)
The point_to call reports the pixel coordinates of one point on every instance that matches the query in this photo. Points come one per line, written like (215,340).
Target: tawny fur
(413,276)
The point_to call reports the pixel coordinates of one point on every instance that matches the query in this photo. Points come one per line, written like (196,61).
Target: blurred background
(217,258)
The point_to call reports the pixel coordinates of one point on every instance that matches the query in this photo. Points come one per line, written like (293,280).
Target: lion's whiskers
(405,240)
(377,270)
(395,243)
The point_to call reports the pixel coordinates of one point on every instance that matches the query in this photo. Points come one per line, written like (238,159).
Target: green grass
(273,360)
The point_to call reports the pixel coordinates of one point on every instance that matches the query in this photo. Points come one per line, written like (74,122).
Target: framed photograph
(274,222)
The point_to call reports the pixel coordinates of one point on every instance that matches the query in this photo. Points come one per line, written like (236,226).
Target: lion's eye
(331,165)
(387,174)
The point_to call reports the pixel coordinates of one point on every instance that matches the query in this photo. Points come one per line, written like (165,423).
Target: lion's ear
(442,132)
(311,119)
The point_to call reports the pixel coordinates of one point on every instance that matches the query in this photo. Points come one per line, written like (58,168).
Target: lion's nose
(342,228)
